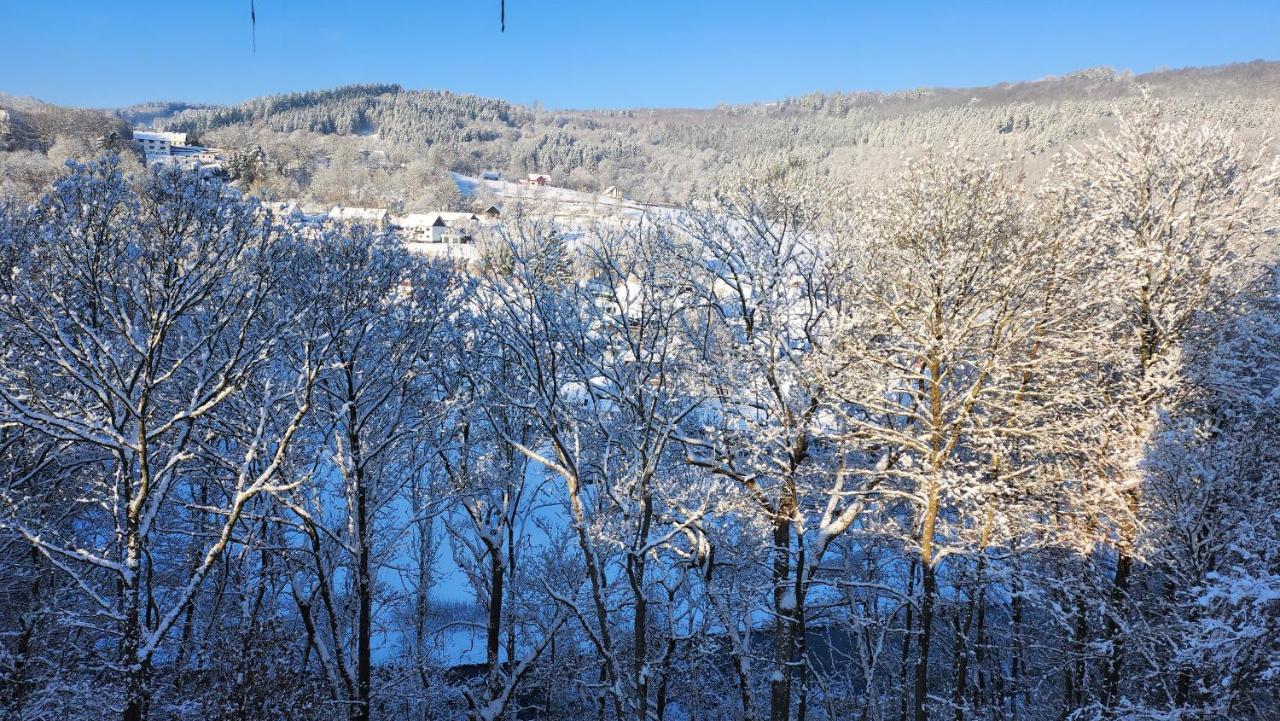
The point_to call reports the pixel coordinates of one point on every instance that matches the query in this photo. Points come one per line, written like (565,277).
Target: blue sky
(600,53)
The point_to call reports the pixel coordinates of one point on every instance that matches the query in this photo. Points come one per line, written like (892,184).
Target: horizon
(572,57)
(193,102)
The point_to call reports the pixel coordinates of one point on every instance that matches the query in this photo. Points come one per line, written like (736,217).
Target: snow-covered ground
(512,192)
(568,208)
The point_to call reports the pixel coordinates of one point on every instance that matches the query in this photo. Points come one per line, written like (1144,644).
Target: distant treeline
(383,145)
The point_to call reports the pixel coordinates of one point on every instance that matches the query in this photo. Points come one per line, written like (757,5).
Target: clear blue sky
(600,53)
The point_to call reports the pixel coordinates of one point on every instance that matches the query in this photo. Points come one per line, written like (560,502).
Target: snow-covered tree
(1175,217)
(133,321)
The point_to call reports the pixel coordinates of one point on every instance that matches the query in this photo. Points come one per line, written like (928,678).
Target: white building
(415,227)
(163,147)
(158,145)
(440,227)
(192,155)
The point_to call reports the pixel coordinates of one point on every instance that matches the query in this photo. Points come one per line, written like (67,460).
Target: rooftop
(176,138)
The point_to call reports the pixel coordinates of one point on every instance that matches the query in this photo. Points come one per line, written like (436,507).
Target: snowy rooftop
(426,220)
(176,138)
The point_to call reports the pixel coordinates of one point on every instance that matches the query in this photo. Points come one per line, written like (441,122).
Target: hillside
(387,146)
(29,124)
(669,154)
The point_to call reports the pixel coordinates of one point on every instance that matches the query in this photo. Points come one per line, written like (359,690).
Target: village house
(438,227)
(414,227)
(539,179)
(193,154)
(157,145)
(166,147)
(295,212)
(309,224)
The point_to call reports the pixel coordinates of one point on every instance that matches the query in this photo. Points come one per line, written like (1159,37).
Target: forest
(385,146)
(961,444)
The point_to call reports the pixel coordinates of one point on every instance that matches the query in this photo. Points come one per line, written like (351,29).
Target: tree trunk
(493,631)
(364,580)
(744,687)
(929,589)
(636,569)
(1016,662)
(422,588)
(137,691)
(364,589)
(959,662)
(801,639)
(908,628)
(1075,685)
(784,625)
(1113,638)
(608,671)
(135,668)
(929,517)
(929,592)
(977,597)
(983,693)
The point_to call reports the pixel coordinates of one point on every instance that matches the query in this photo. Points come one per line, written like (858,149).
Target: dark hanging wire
(253,20)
